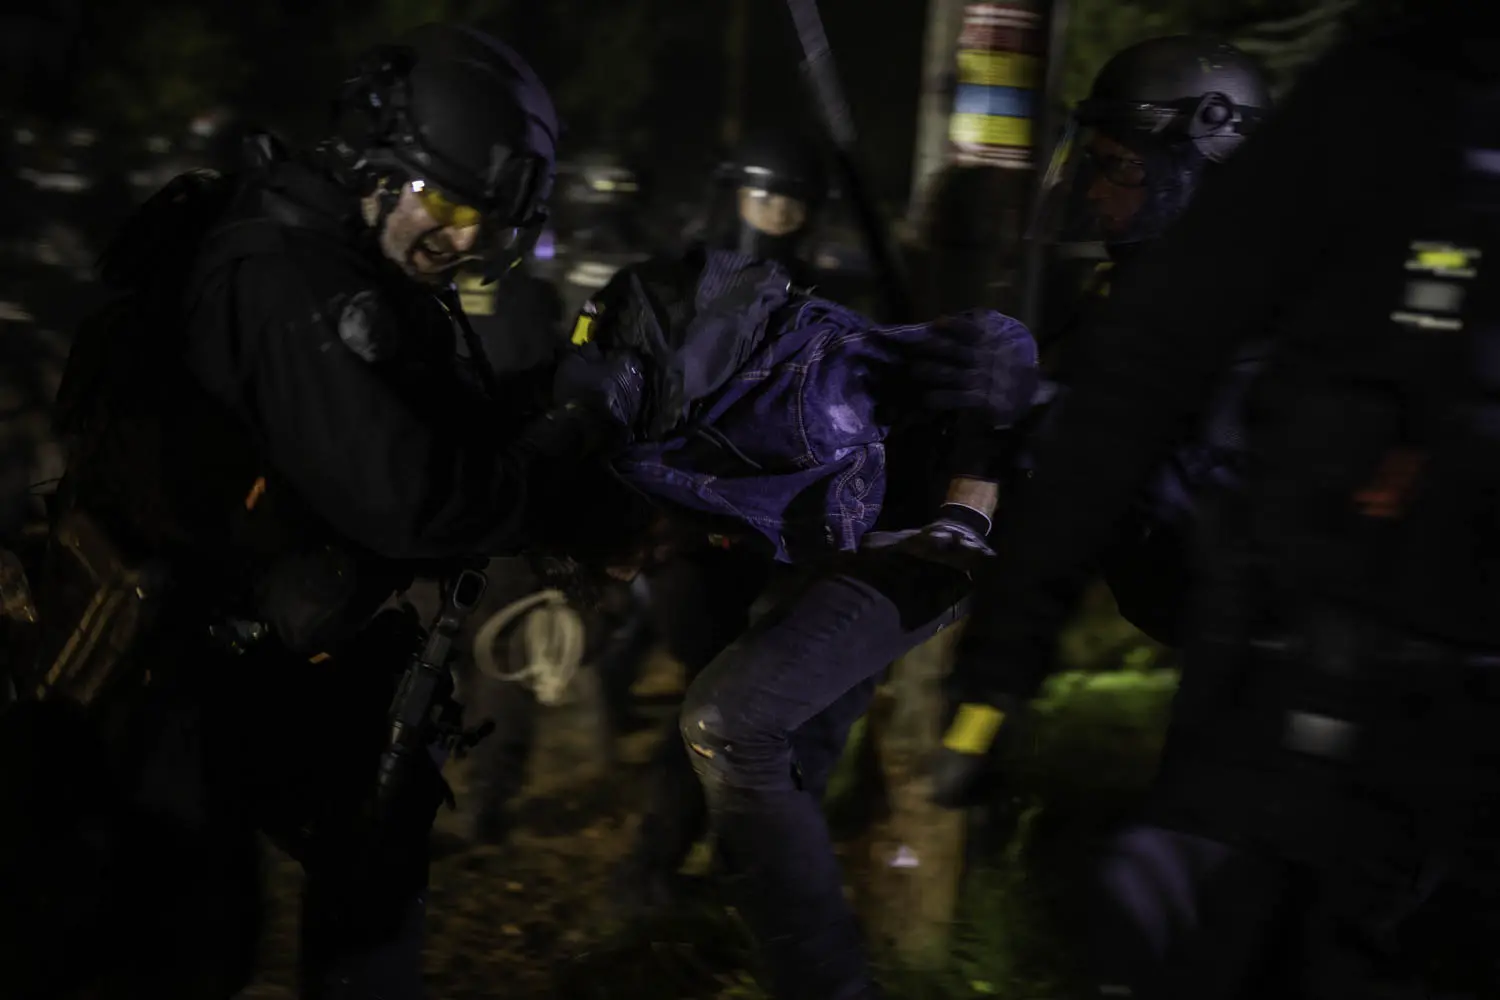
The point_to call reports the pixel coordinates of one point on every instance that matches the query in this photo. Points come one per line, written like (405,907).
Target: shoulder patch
(367,327)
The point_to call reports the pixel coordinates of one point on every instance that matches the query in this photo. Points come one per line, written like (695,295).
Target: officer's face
(772,214)
(1117,187)
(425,238)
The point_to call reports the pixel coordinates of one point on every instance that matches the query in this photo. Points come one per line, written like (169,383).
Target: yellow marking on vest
(1442,260)
(973,729)
(319,658)
(583,330)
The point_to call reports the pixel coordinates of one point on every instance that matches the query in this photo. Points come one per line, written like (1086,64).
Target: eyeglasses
(1126,171)
(444,211)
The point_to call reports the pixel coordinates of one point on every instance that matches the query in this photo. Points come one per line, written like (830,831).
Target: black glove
(956,538)
(978,734)
(981,364)
(609,386)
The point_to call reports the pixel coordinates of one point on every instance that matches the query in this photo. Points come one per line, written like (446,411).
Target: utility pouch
(97,607)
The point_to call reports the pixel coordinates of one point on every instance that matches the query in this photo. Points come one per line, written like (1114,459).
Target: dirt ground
(533,918)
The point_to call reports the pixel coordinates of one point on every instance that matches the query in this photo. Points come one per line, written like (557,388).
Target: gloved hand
(979,732)
(611,386)
(956,538)
(978,363)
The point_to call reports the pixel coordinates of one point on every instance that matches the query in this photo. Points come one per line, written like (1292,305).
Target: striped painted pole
(1001,53)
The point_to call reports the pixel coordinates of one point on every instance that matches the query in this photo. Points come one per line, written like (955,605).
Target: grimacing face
(424,234)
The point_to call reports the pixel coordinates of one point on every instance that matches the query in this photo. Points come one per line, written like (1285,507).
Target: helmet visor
(501,245)
(445,209)
(1099,189)
(771,213)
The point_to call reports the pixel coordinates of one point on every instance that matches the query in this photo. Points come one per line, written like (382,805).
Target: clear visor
(771,213)
(1092,192)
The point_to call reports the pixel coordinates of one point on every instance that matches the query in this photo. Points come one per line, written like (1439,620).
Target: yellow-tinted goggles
(444,211)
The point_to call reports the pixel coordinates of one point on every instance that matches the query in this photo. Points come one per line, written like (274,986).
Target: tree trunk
(944,19)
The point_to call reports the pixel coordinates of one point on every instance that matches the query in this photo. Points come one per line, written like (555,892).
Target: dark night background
(652,75)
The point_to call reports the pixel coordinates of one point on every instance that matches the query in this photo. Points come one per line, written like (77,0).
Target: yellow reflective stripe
(583,330)
(478,303)
(998,69)
(1442,260)
(973,729)
(989,130)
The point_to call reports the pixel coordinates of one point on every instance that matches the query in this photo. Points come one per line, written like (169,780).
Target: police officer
(1331,757)
(1161,119)
(604,197)
(767,198)
(271,433)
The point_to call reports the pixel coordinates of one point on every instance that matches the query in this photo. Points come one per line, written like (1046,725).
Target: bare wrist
(980,494)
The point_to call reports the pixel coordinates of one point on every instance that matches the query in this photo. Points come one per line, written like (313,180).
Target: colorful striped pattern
(999,71)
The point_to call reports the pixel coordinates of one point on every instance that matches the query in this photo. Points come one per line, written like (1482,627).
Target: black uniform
(1333,742)
(272,433)
(769,165)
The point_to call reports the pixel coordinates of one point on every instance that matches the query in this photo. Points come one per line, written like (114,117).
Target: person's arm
(408,466)
(1252,241)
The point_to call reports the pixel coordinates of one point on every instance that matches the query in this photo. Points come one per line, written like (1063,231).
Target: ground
(533,918)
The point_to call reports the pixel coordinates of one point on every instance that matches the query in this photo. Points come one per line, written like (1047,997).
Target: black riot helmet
(768,196)
(1160,114)
(461,118)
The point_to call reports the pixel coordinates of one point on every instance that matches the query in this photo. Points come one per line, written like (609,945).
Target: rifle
(426,723)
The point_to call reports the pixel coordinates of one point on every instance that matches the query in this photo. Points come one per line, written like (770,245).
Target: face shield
(771,212)
(1113,183)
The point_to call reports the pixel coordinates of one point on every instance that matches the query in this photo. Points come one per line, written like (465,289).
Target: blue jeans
(767,722)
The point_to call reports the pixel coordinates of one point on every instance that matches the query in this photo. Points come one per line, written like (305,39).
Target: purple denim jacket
(797,435)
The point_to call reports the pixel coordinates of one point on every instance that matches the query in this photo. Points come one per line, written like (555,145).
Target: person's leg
(497,767)
(364,894)
(631,637)
(818,745)
(342,963)
(700,604)
(740,720)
